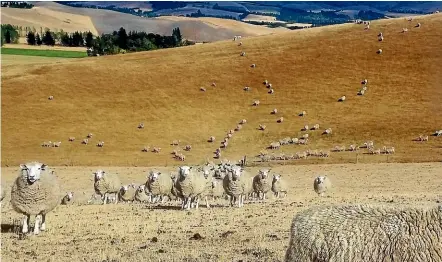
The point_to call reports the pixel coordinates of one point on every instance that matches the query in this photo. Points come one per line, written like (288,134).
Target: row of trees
(14,4)
(9,34)
(316,19)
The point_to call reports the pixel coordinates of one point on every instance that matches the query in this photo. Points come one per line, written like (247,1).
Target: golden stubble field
(257,232)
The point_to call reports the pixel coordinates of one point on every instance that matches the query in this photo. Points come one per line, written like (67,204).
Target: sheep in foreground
(188,185)
(366,233)
(278,186)
(106,184)
(321,185)
(68,199)
(261,183)
(141,195)
(159,185)
(35,192)
(237,184)
(127,193)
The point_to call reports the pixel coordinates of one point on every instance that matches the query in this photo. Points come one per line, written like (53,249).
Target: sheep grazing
(364,82)
(261,183)
(89,135)
(321,185)
(214,84)
(51,97)
(46,144)
(188,148)
(202,89)
(373,151)
(243,53)
(71,139)
(262,127)
(274,145)
(100,144)
(247,88)
(238,127)
(265,82)
(352,148)
(159,185)
(180,157)
(140,125)
(361,92)
(85,141)
(156,149)
(56,144)
(271,91)
(242,122)
(253,66)
(127,193)
(280,120)
(315,127)
(422,138)
(438,133)
(274,111)
(106,184)
(141,194)
(217,155)
(303,113)
(68,199)
(339,149)
(379,51)
(418,25)
(211,139)
(328,131)
(224,144)
(229,136)
(303,141)
(35,192)
(256,103)
(381,38)
(366,233)
(269,85)
(278,186)
(388,150)
(404,30)
(145,149)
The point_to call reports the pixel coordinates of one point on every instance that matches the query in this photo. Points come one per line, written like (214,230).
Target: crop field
(47,53)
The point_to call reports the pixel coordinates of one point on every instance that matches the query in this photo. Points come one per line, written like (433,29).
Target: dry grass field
(45,47)
(257,232)
(309,69)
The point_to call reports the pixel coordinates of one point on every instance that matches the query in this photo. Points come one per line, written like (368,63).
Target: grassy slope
(309,70)
(48,53)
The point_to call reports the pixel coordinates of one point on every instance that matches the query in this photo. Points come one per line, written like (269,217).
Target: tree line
(9,34)
(14,4)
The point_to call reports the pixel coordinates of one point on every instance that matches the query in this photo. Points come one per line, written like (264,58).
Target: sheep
(269,85)
(305,128)
(379,51)
(438,133)
(100,144)
(339,148)
(156,149)
(127,193)
(253,66)
(159,185)
(224,144)
(106,184)
(367,27)
(275,145)
(2,191)
(303,141)
(364,82)
(404,30)
(381,38)
(175,142)
(369,144)
(213,84)
(262,127)
(56,144)
(51,97)
(271,91)
(380,34)
(328,131)
(240,44)
(35,192)
(242,122)
(141,195)
(418,25)
(188,148)
(202,89)
(315,127)
(229,136)
(140,125)
(361,92)
(266,82)
(321,185)
(211,139)
(278,186)
(261,183)
(256,103)
(237,184)
(217,155)
(388,150)
(189,185)
(238,127)
(280,120)
(374,151)
(352,148)
(145,149)
(295,140)
(324,153)
(71,139)
(304,136)
(341,99)
(89,135)
(366,233)
(409,19)
(274,111)
(85,141)
(303,113)
(422,138)
(243,53)
(68,198)
(247,88)
(46,144)
(180,157)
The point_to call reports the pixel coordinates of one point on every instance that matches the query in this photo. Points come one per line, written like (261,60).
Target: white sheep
(256,103)
(127,193)
(275,145)
(315,127)
(438,133)
(262,127)
(418,25)
(261,183)
(211,139)
(278,186)
(247,88)
(188,148)
(100,144)
(321,185)
(253,66)
(339,148)
(89,135)
(304,136)
(85,141)
(266,82)
(35,192)
(381,38)
(214,84)
(238,127)
(145,149)
(303,113)
(71,139)
(159,185)
(361,92)
(274,111)
(141,125)
(328,131)
(280,120)
(202,89)
(51,97)
(56,144)
(269,85)
(364,82)
(352,148)
(342,99)
(305,128)
(271,91)
(242,122)
(366,233)
(379,51)
(106,184)
(243,53)
(404,30)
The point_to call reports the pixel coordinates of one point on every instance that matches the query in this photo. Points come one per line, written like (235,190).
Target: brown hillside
(309,69)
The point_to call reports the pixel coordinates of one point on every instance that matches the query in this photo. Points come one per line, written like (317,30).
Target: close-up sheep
(106,184)
(159,185)
(262,183)
(321,185)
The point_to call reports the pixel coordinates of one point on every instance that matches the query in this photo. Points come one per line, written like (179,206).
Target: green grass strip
(47,53)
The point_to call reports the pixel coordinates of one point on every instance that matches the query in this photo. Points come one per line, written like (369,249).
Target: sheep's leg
(189,202)
(239,200)
(183,203)
(26,221)
(116,198)
(43,222)
(105,199)
(277,194)
(37,225)
(207,202)
(264,196)
(197,201)
(163,198)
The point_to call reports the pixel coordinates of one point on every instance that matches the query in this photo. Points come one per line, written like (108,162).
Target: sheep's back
(141,196)
(39,198)
(109,183)
(261,185)
(231,187)
(162,186)
(129,195)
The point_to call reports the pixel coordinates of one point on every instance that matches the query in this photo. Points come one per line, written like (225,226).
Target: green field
(47,53)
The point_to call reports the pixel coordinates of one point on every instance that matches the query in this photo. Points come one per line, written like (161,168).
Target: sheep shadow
(6,228)
(164,207)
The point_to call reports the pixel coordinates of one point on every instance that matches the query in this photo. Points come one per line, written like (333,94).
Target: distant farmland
(47,53)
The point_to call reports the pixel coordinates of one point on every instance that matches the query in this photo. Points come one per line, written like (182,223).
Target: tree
(38,40)
(48,39)
(176,33)
(8,37)
(89,39)
(122,38)
(65,40)
(30,38)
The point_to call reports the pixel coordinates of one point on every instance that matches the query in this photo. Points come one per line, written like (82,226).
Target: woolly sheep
(243,53)
(175,142)
(237,184)
(274,111)
(188,147)
(238,127)
(418,25)
(106,184)
(253,66)
(269,85)
(145,149)
(381,38)
(361,92)
(85,141)
(321,184)
(256,103)
(366,233)
(305,128)
(242,122)
(56,144)
(156,149)
(404,30)
(262,127)
(100,144)
(328,131)
(141,195)
(247,88)
(364,82)
(68,198)
(211,139)
(202,89)
(438,133)
(89,135)
(140,125)
(278,186)
(261,183)
(35,192)
(271,91)
(159,185)
(315,127)
(189,185)
(127,193)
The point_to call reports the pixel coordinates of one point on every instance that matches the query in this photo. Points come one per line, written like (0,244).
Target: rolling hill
(309,69)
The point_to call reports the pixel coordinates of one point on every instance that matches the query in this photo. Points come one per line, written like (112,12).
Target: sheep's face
(99,174)
(184,171)
(154,176)
(32,171)
(141,188)
(264,173)
(320,179)
(207,170)
(276,178)
(236,172)
(70,196)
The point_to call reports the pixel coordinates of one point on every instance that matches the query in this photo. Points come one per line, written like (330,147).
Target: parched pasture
(256,232)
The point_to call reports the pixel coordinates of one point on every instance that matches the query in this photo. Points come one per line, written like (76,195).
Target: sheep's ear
(43,166)
(23,166)
(190,167)
(159,173)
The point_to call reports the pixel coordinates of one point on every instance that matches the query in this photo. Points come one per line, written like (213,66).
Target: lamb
(35,192)
(71,139)
(366,233)
(262,127)
(321,185)
(127,193)
(106,184)
(189,185)
(303,113)
(278,186)
(280,120)
(68,198)
(159,185)
(256,103)
(51,97)
(100,144)
(141,195)
(274,111)
(211,139)
(261,183)
(140,125)
(341,99)
(379,51)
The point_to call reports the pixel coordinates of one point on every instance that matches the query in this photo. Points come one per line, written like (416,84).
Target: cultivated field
(42,52)
(45,47)
(257,232)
